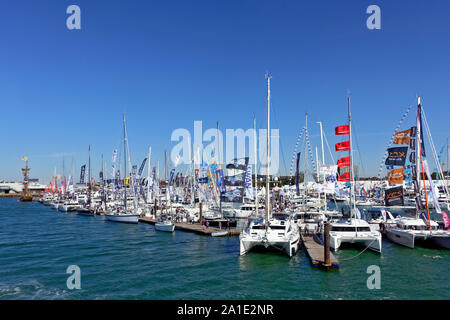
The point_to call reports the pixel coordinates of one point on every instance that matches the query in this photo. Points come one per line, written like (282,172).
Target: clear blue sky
(168,63)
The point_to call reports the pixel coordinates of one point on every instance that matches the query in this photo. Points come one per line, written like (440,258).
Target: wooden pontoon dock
(316,253)
(195,227)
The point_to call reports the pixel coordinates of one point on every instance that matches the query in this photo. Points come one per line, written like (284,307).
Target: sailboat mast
(148,173)
(350,155)
(89,176)
(321,142)
(419,146)
(267,152)
(256,163)
(305,174)
(219,167)
(448,156)
(124,162)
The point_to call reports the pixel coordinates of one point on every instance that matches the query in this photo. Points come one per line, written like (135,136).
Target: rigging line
(358,253)
(295,151)
(310,153)
(391,141)
(279,138)
(427,128)
(359,150)
(328,146)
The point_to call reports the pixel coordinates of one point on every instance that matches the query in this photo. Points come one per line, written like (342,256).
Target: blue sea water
(121,261)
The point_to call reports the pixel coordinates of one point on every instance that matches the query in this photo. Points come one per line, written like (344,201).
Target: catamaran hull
(402,238)
(288,247)
(123,218)
(164,227)
(442,241)
(374,244)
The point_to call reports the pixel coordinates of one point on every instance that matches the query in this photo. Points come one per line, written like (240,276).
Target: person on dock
(306,229)
(207,224)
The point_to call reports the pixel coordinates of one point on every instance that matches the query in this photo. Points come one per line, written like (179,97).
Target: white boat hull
(124,218)
(373,243)
(167,227)
(400,237)
(290,247)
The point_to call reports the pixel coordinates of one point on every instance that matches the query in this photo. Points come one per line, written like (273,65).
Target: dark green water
(120,261)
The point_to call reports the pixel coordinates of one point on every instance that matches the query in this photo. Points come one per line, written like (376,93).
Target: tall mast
(165,165)
(124,163)
(351,156)
(267,151)
(321,141)
(448,156)
(305,173)
(419,148)
(256,164)
(219,167)
(89,176)
(64,178)
(148,173)
(317,165)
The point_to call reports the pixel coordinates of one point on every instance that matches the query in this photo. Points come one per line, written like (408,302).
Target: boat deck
(315,252)
(194,227)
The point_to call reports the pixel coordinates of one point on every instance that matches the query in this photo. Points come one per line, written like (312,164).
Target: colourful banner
(396,176)
(248,183)
(341,130)
(396,156)
(394,196)
(345,177)
(343,146)
(402,137)
(344,162)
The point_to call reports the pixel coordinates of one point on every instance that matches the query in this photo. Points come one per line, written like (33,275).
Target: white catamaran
(270,232)
(353,230)
(409,230)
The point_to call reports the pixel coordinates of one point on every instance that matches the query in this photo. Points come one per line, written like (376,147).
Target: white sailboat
(409,230)
(124,215)
(353,230)
(270,232)
(87,210)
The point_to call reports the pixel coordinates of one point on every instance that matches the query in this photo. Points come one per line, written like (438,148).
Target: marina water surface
(120,261)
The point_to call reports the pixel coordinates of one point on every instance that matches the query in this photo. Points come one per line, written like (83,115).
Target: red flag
(345,177)
(343,146)
(344,162)
(340,130)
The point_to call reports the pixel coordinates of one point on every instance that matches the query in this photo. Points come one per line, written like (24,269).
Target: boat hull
(123,218)
(373,243)
(164,227)
(402,238)
(290,247)
(442,241)
(85,212)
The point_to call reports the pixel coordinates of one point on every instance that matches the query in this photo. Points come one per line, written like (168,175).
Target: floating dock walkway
(315,251)
(196,228)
